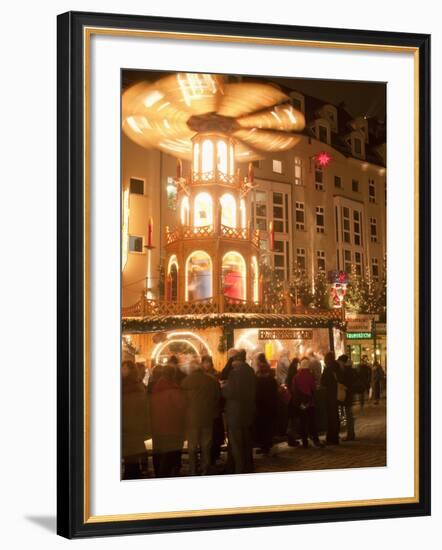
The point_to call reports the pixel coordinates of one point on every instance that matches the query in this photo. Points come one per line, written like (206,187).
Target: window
(338,182)
(234,276)
(256,164)
(300,216)
(319,179)
(320,260)
(136,186)
(357,146)
(280,208)
(243,214)
(279,260)
(263,244)
(228,210)
(297,104)
(371,191)
(261,210)
(185,211)
(222,157)
(346,225)
(207,156)
(358,263)
(172,279)
(347,261)
(373,230)
(375,269)
(277,166)
(357,227)
(198,276)
(279,246)
(203,210)
(300,258)
(298,171)
(255,279)
(171,192)
(135,244)
(322,133)
(355,186)
(320,219)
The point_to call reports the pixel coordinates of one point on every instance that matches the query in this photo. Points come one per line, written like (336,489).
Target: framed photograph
(243,274)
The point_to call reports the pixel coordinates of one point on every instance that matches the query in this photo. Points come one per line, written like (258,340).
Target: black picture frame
(72,521)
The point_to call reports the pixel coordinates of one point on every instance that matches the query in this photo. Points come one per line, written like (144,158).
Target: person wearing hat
(303,387)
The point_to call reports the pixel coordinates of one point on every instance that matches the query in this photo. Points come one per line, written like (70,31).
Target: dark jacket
(303,387)
(350,380)
(136,426)
(168,408)
(202,394)
(227,368)
(240,395)
(329,381)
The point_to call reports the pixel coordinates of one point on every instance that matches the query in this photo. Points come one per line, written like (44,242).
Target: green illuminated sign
(359,335)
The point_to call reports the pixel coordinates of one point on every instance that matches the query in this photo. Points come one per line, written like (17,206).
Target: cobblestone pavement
(368,450)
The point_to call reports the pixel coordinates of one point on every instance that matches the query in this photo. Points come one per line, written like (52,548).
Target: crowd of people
(241,408)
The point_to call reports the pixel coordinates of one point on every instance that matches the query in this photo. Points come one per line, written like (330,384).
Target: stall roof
(232,320)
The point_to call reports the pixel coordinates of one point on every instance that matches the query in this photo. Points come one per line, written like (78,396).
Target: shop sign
(285,334)
(359,325)
(359,335)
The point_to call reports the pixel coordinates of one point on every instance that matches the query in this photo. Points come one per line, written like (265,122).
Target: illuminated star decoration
(323,159)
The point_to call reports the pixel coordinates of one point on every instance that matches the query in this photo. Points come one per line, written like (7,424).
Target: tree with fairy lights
(300,288)
(321,296)
(272,286)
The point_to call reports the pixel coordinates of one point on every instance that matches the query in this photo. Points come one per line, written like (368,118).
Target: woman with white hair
(282,367)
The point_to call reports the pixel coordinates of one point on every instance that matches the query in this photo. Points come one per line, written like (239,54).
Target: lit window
(222,156)
(261,210)
(320,258)
(298,171)
(196,157)
(373,230)
(277,166)
(320,219)
(198,276)
(228,210)
(234,276)
(207,156)
(255,280)
(300,216)
(243,213)
(232,161)
(171,192)
(203,210)
(135,244)
(185,211)
(136,186)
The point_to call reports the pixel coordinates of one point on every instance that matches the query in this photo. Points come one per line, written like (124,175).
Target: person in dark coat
(292,431)
(136,426)
(377,381)
(202,393)
(239,392)
(364,374)
(218,434)
(231,355)
(329,381)
(304,386)
(349,378)
(168,409)
(266,404)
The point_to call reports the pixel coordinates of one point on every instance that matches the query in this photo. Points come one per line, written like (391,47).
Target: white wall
(27,169)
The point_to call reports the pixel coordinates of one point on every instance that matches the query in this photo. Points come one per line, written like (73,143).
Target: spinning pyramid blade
(280,117)
(242,98)
(267,140)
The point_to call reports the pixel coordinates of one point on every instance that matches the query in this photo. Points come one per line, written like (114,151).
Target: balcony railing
(148,307)
(185,232)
